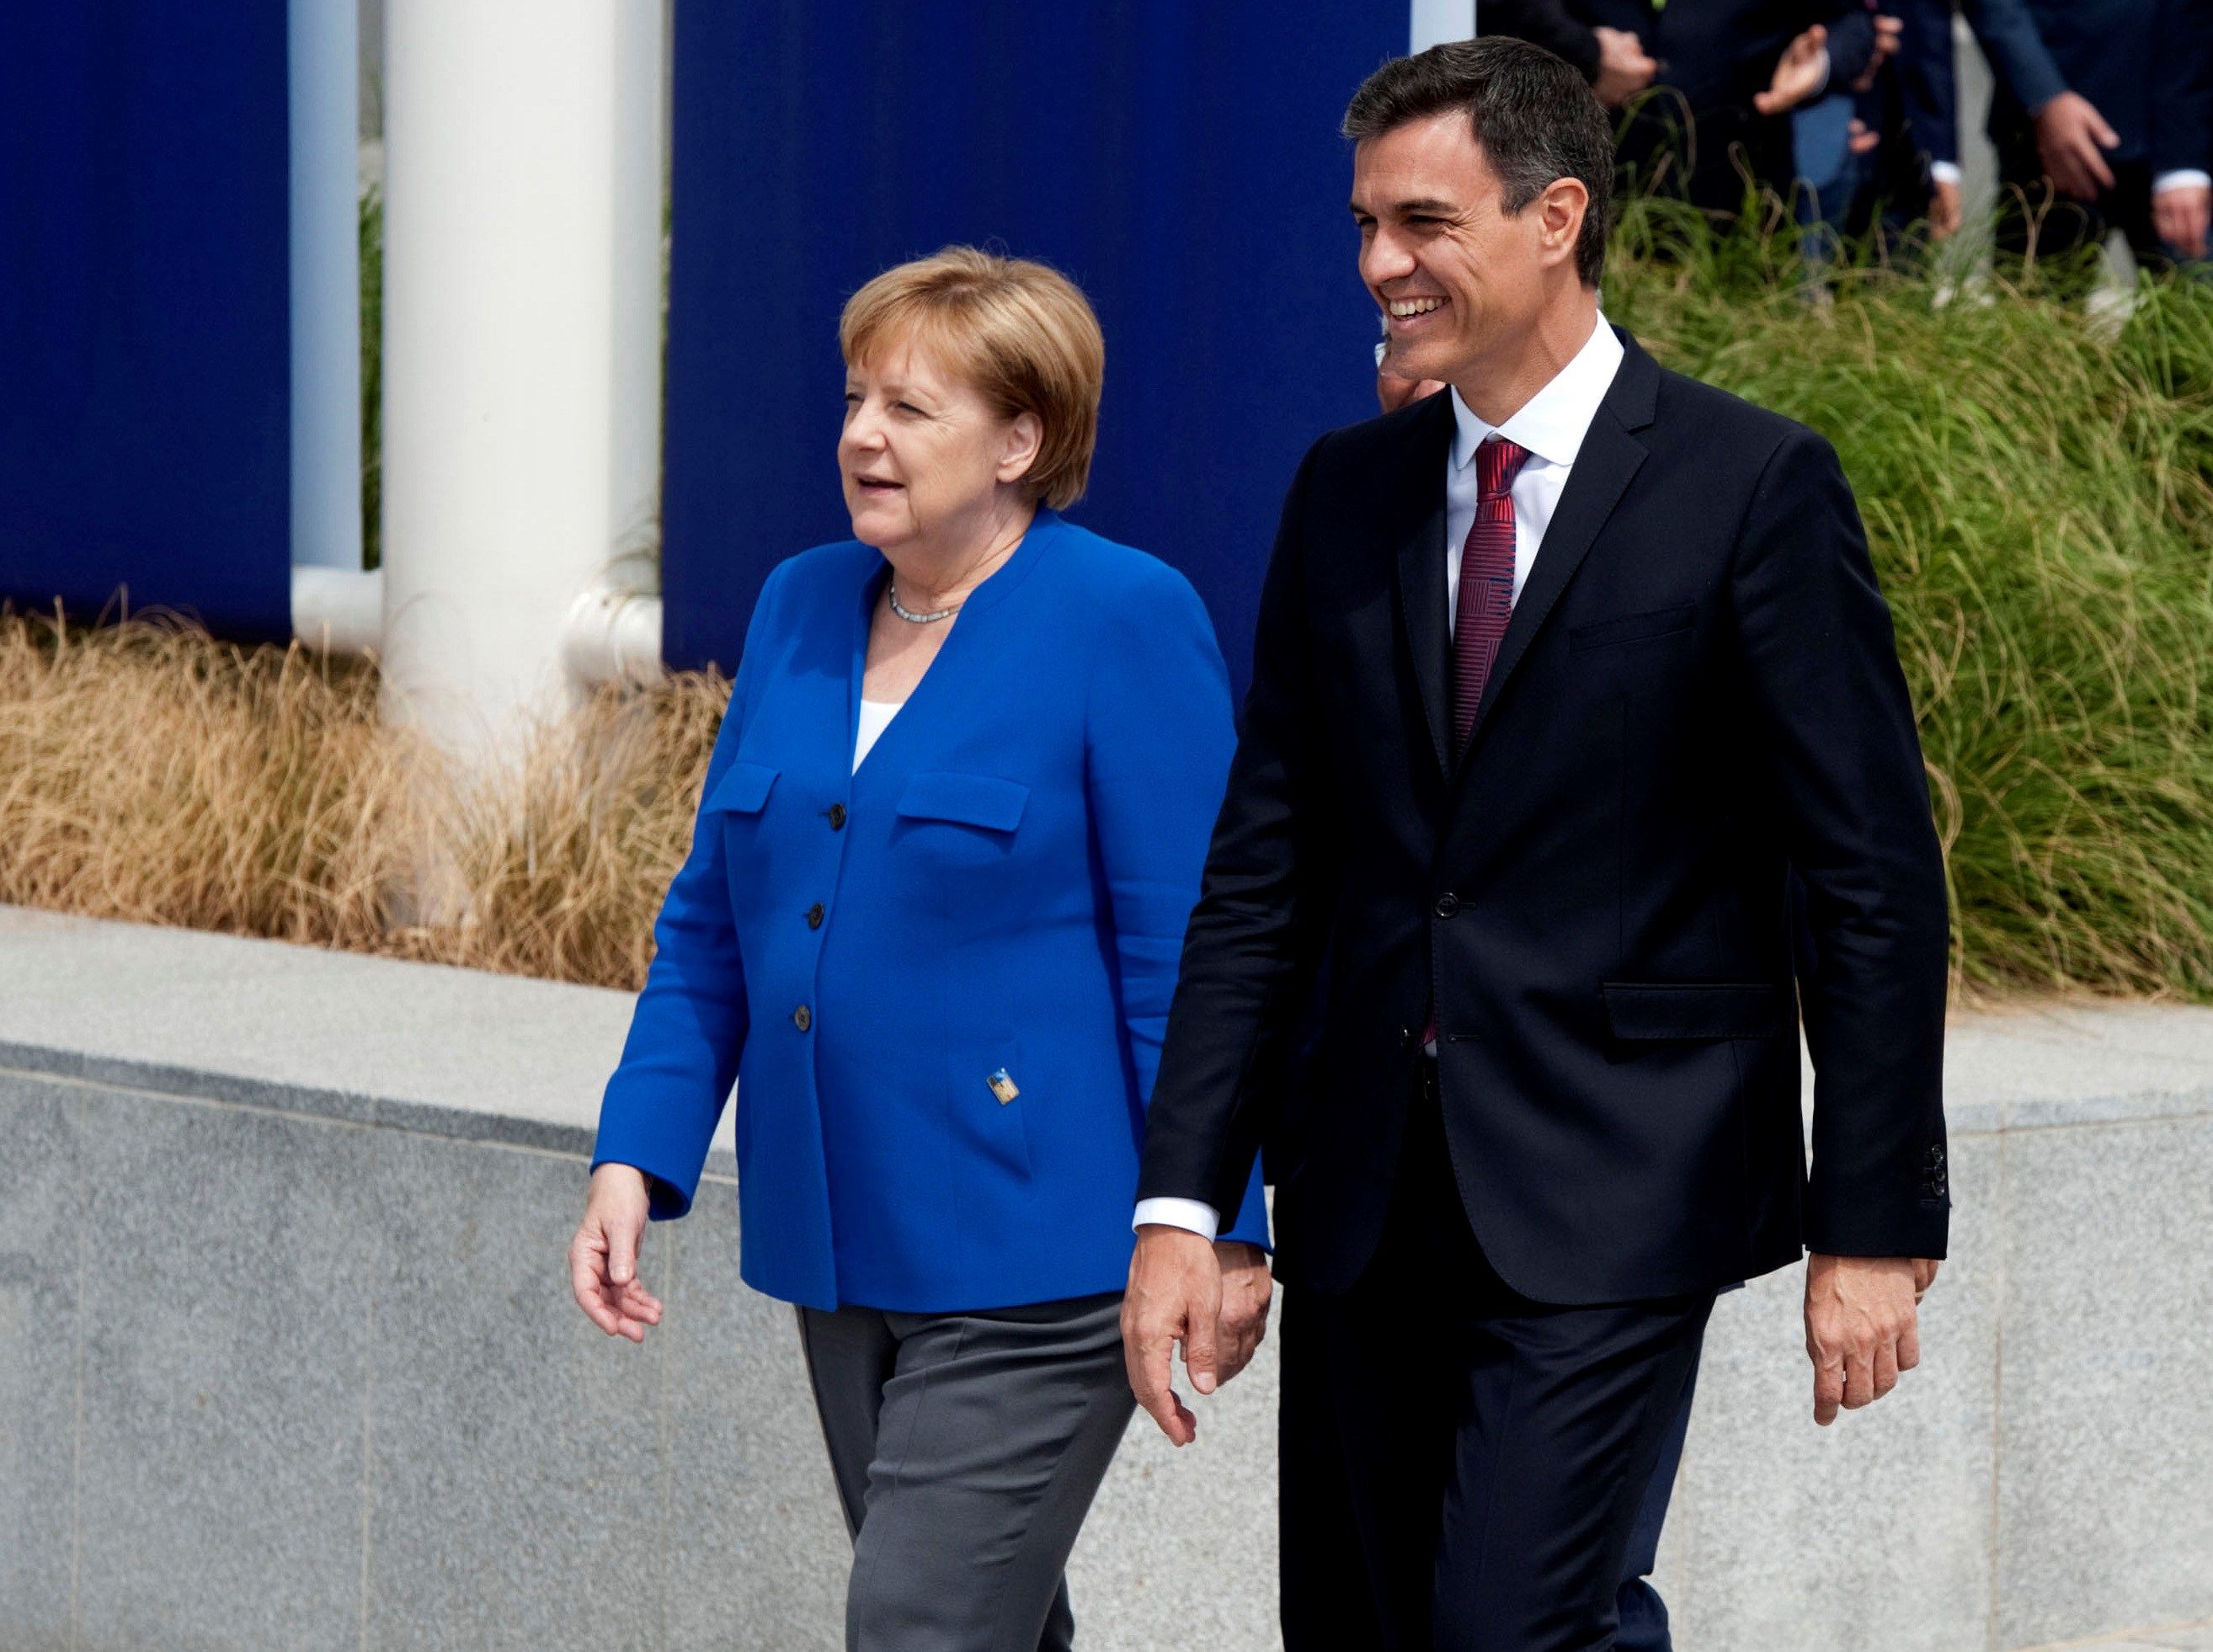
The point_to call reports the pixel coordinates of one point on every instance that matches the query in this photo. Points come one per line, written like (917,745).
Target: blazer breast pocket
(743,788)
(1631,628)
(961,819)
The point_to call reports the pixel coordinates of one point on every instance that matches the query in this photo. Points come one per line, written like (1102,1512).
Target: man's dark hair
(1534,116)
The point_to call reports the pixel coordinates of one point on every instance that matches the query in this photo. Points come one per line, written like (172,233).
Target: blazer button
(800,1019)
(1447,904)
(837,817)
(814,916)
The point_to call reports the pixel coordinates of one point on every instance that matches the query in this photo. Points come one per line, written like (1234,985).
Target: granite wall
(288,1360)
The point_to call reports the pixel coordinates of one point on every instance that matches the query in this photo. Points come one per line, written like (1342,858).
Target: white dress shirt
(1552,425)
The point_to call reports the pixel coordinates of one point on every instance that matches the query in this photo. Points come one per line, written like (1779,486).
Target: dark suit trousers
(1462,1467)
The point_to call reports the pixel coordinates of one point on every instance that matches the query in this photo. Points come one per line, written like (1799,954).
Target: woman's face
(925,460)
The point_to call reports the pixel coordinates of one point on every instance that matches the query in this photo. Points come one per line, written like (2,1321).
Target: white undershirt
(1550,426)
(876,716)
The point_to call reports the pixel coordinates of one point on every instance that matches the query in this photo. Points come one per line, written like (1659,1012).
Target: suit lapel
(1608,460)
(1416,522)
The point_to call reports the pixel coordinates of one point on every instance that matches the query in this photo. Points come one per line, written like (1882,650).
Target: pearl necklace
(890,590)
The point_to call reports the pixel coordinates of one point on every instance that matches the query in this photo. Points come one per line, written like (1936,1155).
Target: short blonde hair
(1023,334)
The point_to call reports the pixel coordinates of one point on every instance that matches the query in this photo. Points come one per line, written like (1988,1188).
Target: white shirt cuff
(2182,178)
(1944,172)
(1195,1215)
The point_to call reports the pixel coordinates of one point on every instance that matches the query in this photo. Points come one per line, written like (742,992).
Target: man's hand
(2179,213)
(1800,74)
(1395,392)
(1862,1328)
(1175,1295)
(1625,68)
(1945,215)
(603,1256)
(1924,1275)
(1889,35)
(2071,137)
(1247,1287)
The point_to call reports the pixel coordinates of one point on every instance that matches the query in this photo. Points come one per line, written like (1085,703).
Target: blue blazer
(1001,887)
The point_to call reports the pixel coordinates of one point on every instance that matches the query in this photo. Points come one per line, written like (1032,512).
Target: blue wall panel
(144,403)
(1181,162)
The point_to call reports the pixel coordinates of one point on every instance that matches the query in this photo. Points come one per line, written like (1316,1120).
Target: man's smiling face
(1454,275)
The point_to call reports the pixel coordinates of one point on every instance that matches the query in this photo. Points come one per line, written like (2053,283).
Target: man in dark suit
(2103,120)
(1554,677)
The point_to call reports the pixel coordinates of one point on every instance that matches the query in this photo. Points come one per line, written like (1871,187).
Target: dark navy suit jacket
(1697,692)
(1001,886)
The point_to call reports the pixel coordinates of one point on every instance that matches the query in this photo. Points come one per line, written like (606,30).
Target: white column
(1432,22)
(322,51)
(522,342)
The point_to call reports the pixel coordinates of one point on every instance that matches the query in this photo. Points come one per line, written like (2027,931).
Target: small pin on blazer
(1002,1087)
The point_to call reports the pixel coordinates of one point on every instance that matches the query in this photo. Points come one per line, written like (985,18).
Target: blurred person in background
(1729,73)
(1614,60)
(949,835)
(2103,120)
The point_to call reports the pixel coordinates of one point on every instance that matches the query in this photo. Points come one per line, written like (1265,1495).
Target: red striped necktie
(1486,580)
(1486,598)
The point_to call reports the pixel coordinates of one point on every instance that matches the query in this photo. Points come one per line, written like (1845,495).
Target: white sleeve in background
(1195,1215)
(1944,172)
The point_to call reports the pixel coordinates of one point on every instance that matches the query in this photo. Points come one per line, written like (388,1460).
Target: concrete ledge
(286,1358)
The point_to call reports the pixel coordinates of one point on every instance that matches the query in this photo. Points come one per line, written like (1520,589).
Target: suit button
(801,1019)
(814,916)
(1447,904)
(837,817)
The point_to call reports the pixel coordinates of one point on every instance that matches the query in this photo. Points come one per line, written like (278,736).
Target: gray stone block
(1180,1548)
(513,1446)
(334,1392)
(2106,1450)
(756,1553)
(1873,1532)
(261,1018)
(228,1270)
(41,1226)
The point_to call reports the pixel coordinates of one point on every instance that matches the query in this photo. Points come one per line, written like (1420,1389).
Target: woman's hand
(603,1256)
(1247,1289)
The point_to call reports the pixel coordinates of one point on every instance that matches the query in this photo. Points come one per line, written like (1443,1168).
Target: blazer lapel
(1416,522)
(1609,458)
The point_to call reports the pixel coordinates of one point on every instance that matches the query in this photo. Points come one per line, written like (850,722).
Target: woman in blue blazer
(949,836)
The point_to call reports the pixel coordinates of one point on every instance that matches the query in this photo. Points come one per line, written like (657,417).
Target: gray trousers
(966,1449)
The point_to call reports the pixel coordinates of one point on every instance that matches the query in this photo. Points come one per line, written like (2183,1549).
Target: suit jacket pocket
(975,799)
(1696,1010)
(1629,628)
(742,790)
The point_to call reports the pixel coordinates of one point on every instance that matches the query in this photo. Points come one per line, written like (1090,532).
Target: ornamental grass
(150,773)
(2038,489)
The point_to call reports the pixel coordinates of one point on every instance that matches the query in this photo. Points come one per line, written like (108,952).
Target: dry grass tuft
(150,773)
